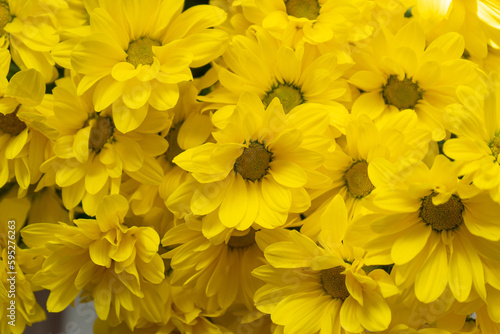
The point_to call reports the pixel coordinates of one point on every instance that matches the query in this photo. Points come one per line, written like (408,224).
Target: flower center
(446,216)
(140,51)
(334,282)
(100,132)
(289,95)
(5,16)
(253,163)
(495,148)
(173,146)
(11,124)
(242,241)
(403,94)
(303,8)
(357,181)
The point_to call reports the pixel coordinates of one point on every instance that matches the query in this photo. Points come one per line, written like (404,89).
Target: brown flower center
(11,124)
(253,163)
(242,241)
(100,133)
(334,282)
(303,8)
(403,94)
(357,181)
(140,51)
(289,95)
(446,216)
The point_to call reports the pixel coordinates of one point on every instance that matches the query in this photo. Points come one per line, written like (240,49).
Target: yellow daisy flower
(262,64)
(22,128)
(317,21)
(91,154)
(478,21)
(216,266)
(115,265)
(400,72)
(139,50)
(312,289)
(261,164)
(19,307)
(397,140)
(27,29)
(476,122)
(435,227)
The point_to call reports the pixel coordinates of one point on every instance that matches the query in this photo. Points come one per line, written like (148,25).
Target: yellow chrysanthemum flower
(116,265)
(318,21)
(139,50)
(397,140)
(477,20)
(435,227)
(401,72)
(476,122)
(260,166)
(19,307)
(311,289)
(22,122)
(216,267)
(262,64)
(27,29)
(91,154)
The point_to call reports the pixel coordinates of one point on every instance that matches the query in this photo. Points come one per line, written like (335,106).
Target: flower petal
(288,173)
(432,279)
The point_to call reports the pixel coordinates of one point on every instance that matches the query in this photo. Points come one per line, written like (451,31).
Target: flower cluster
(252,166)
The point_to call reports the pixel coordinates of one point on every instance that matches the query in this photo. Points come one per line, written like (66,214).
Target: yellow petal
(460,273)
(205,46)
(22,173)
(150,172)
(288,173)
(432,279)
(136,93)
(410,243)
(107,91)
(27,87)
(80,145)
(126,119)
(277,197)
(130,153)
(96,177)
(164,96)
(298,253)
(375,315)
(371,104)
(194,131)
(302,308)
(234,206)
(367,80)
(124,71)
(68,174)
(99,252)
(111,211)
(96,55)
(412,36)
(207,197)
(193,20)
(62,296)
(16,144)
(73,194)
(102,22)
(348,316)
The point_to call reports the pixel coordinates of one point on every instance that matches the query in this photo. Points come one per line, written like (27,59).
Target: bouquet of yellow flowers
(252,166)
